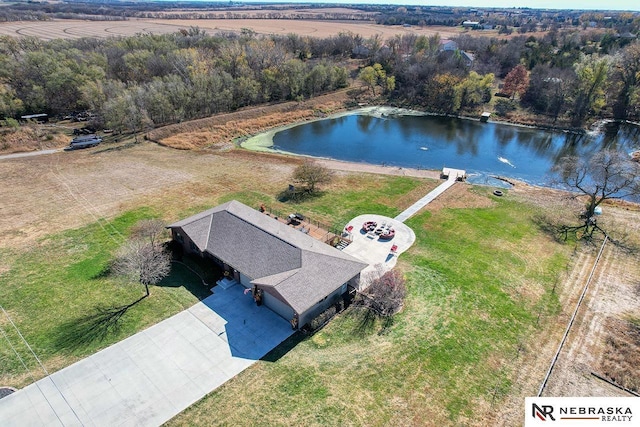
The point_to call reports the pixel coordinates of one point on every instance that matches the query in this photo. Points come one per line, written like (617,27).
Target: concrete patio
(155,374)
(377,253)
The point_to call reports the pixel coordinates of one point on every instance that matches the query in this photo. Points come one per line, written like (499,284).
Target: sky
(538,4)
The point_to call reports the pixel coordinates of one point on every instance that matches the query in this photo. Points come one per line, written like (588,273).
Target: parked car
(84,141)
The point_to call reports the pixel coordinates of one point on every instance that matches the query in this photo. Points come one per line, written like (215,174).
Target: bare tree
(609,174)
(143,259)
(384,296)
(311,174)
(149,230)
(142,262)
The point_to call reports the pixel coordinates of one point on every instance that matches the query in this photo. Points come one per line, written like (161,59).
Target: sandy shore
(382,170)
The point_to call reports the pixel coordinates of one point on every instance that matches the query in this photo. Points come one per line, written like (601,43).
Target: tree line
(160,79)
(129,83)
(570,76)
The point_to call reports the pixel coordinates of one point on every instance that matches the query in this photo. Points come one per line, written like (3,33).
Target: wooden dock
(451,176)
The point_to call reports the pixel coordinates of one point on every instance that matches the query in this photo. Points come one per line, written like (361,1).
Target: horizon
(586,5)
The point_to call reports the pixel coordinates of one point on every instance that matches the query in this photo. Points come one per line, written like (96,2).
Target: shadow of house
(193,273)
(249,329)
(290,272)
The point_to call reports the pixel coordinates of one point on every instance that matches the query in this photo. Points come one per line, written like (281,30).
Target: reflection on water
(433,142)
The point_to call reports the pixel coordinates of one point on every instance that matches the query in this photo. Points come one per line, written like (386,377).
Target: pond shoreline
(264,140)
(490,173)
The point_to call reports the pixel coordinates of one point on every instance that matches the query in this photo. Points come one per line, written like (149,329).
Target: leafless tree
(384,295)
(609,174)
(142,262)
(143,259)
(311,174)
(149,230)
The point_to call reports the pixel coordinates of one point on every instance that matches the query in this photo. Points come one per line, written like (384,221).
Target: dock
(451,176)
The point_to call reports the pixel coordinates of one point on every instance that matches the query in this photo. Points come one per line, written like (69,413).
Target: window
(179,237)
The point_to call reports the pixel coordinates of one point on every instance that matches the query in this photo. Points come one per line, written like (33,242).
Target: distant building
(42,117)
(449,47)
(446,45)
(471,24)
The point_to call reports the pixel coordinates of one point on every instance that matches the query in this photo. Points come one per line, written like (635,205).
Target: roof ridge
(206,246)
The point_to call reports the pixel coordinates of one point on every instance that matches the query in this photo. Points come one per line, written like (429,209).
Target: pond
(432,142)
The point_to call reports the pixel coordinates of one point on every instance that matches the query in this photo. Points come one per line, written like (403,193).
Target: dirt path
(28,154)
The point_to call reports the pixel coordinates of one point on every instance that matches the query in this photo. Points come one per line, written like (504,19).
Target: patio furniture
(388,234)
(369,226)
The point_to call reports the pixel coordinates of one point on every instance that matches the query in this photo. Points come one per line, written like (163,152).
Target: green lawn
(347,198)
(61,280)
(52,290)
(479,280)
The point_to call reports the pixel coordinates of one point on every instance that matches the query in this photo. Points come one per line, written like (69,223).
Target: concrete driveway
(155,374)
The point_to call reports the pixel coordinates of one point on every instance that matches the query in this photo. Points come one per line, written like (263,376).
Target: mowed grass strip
(480,284)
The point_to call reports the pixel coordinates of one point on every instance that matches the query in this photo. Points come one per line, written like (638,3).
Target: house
(293,274)
(467,58)
(446,45)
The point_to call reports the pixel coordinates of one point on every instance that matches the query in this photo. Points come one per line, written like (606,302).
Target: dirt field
(74,29)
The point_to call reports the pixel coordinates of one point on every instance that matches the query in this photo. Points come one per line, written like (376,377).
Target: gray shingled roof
(298,267)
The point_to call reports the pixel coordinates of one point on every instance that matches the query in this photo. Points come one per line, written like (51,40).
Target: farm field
(74,29)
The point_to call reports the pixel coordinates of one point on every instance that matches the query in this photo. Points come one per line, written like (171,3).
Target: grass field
(49,286)
(478,279)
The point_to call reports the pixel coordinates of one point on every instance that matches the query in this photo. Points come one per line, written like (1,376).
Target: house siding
(178,235)
(278,306)
(245,281)
(321,306)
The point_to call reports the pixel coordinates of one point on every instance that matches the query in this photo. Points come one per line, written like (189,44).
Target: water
(429,142)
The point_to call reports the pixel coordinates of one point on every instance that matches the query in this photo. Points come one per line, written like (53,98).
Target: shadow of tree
(298,196)
(91,328)
(368,322)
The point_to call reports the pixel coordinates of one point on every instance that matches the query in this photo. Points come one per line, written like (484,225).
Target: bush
(504,107)
(385,294)
(9,122)
(325,316)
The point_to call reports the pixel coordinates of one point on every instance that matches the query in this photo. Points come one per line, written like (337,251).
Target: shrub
(385,294)
(504,107)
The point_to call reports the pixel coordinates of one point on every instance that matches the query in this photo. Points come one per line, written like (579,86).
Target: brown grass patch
(31,138)
(621,359)
(460,196)
(220,130)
